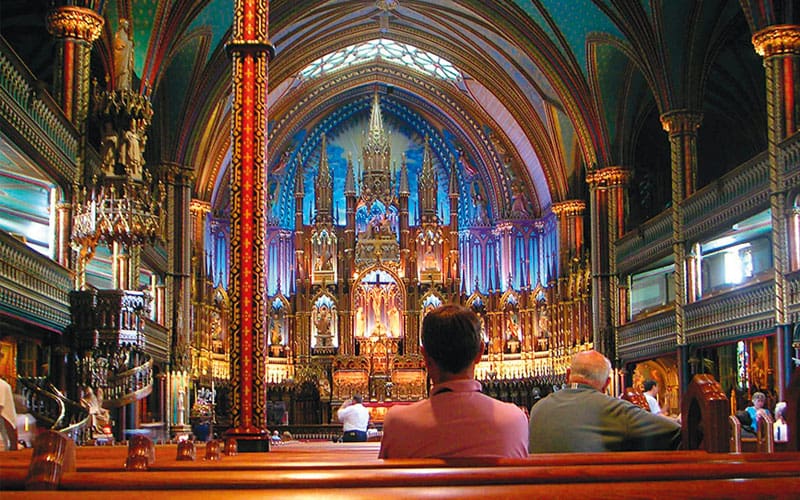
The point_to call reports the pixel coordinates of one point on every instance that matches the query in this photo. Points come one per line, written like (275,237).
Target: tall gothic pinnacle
(376,139)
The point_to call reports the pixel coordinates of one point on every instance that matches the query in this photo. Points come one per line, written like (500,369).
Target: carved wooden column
(251,51)
(201,310)
(607,211)
(179,259)
(779,45)
(681,125)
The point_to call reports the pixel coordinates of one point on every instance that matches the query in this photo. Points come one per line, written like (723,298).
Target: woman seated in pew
(757,410)
(746,424)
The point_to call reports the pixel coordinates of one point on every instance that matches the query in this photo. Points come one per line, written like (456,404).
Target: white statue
(181,407)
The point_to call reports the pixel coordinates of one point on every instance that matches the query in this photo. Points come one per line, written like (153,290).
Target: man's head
(590,368)
(357,398)
(651,385)
(451,339)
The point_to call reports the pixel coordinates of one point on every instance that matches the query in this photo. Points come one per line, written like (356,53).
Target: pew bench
(691,489)
(354,470)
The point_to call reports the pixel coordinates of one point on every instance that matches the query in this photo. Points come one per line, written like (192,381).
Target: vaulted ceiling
(550,88)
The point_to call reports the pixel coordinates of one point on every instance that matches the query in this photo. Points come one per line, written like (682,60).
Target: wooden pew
(698,489)
(336,465)
(635,397)
(704,416)
(353,470)
(512,477)
(793,411)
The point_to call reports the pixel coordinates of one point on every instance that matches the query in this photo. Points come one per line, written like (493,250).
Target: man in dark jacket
(583,418)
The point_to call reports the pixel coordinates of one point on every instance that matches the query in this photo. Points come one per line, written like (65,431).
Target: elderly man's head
(451,338)
(590,368)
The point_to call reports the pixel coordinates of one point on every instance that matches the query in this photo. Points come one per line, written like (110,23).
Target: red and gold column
(607,210)
(75,28)
(250,51)
(779,45)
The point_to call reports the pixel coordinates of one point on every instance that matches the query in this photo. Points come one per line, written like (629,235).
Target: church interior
(236,213)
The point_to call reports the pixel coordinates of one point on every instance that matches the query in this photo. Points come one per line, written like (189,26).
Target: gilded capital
(250,47)
(199,206)
(75,22)
(607,177)
(569,208)
(177,173)
(681,121)
(782,39)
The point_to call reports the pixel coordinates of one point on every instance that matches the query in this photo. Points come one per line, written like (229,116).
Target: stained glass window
(389,50)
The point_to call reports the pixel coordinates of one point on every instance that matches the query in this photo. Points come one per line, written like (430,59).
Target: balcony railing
(711,210)
(30,111)
(647,243)
(743,311)
(649,336)
(32,286)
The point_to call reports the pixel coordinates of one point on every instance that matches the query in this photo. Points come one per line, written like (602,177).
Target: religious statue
(360,326)
(108,149)
(181,407)
(275,334)
(325,255)
(479,201)
(512,333)
(324,328)
(123,56)
(394,322)
(99,417)
(518,203)
(376,305)
(131,152)
(429,257)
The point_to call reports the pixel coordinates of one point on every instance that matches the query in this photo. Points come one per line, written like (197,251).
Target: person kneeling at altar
(99,417)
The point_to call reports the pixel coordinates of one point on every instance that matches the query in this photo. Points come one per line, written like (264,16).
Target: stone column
(250,51)
(503,232)
(681,125)
(179,259)
(607,211)
(63,232)
(570,230)
(779,45)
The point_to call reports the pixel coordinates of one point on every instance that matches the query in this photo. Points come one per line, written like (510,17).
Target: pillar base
(175,431)
(250,442)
